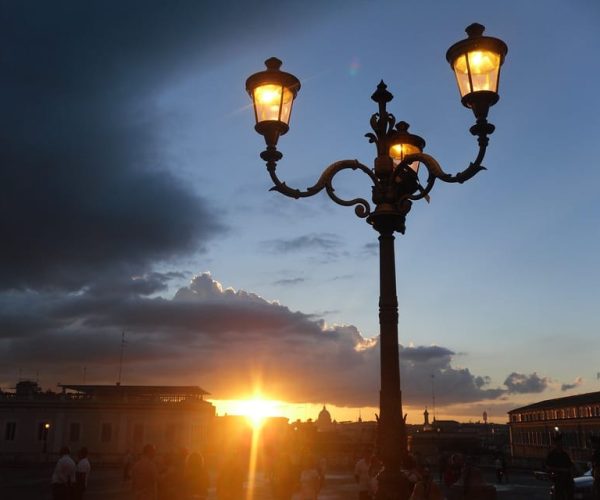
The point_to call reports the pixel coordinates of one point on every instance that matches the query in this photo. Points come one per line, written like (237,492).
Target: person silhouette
(63,475)
(195,478)
(144,475)
(560,466)
(82,472)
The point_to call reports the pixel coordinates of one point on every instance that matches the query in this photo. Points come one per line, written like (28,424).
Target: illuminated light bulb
(483,66)
(399,151)
(268,94)
(270,105)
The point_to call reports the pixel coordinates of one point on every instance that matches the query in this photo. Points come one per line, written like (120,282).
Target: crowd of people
(185,476)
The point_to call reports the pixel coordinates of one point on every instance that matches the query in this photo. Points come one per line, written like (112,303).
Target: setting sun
(255,409)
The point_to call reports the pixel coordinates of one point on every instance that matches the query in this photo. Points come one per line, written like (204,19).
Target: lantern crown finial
(402,127)
(475,30)
(273,64)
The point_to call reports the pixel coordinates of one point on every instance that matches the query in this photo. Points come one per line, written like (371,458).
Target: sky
(134,200)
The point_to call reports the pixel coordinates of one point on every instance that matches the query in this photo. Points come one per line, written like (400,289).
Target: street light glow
(483,66)
(270,105)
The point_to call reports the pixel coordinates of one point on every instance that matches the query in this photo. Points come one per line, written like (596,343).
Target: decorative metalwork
(393,188)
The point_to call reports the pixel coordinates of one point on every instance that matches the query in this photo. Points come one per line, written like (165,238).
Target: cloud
(371,249)
(325,242)
(576,383)
(428,369)
(519,383)
(425,354)
(87,189)
(289,281)
(222,339)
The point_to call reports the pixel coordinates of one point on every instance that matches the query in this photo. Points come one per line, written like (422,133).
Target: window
(106,434)
(10,431)
(74,432)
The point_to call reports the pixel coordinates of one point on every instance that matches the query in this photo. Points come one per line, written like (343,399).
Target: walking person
(560,466)
(144,475)
(195,478)
(425,488)
(310,479)
(499,470)
(362,477)
(63,475)
(82,472)
(375,467)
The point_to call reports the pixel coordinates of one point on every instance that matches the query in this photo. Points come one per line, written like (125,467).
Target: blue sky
(501,272)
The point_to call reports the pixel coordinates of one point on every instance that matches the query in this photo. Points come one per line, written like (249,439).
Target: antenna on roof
(123,343)
(433,395)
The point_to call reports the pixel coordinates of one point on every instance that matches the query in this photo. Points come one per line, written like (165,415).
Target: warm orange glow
(46,426)
(399,151)
(255,409)
(270,105)
(483,66)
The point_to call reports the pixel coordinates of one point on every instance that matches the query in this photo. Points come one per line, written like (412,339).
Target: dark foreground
(106,484)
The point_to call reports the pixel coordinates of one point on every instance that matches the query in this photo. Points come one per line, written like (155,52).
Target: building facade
(576,418)
(108,419)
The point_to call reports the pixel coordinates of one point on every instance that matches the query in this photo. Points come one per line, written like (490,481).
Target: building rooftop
(567,401)
(137,390)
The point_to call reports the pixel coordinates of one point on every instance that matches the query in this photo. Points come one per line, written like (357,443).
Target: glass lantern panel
(462,75)
(483,65)
(270,104)
(399,151)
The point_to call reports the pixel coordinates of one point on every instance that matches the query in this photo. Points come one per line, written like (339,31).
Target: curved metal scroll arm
(436,172)
(362,209)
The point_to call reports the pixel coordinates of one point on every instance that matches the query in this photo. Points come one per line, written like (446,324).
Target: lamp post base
(392,485)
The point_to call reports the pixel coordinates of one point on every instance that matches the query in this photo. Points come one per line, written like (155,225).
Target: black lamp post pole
(392,443)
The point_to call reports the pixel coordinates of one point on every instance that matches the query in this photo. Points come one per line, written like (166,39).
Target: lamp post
(45,429)
(476,62)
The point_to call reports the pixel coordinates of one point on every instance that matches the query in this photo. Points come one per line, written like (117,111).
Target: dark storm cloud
(425,353)
(429,370)
(521,383)
(219,338)
(86,189)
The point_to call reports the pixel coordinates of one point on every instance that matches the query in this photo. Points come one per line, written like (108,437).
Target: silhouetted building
(577,418)
(431,440)
(324,421)
(108,419)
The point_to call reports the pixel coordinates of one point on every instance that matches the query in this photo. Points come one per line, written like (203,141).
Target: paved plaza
(106,484)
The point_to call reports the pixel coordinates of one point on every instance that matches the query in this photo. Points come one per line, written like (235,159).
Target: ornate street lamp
(476,62)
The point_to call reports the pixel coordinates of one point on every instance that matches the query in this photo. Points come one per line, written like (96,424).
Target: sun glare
(256,409)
